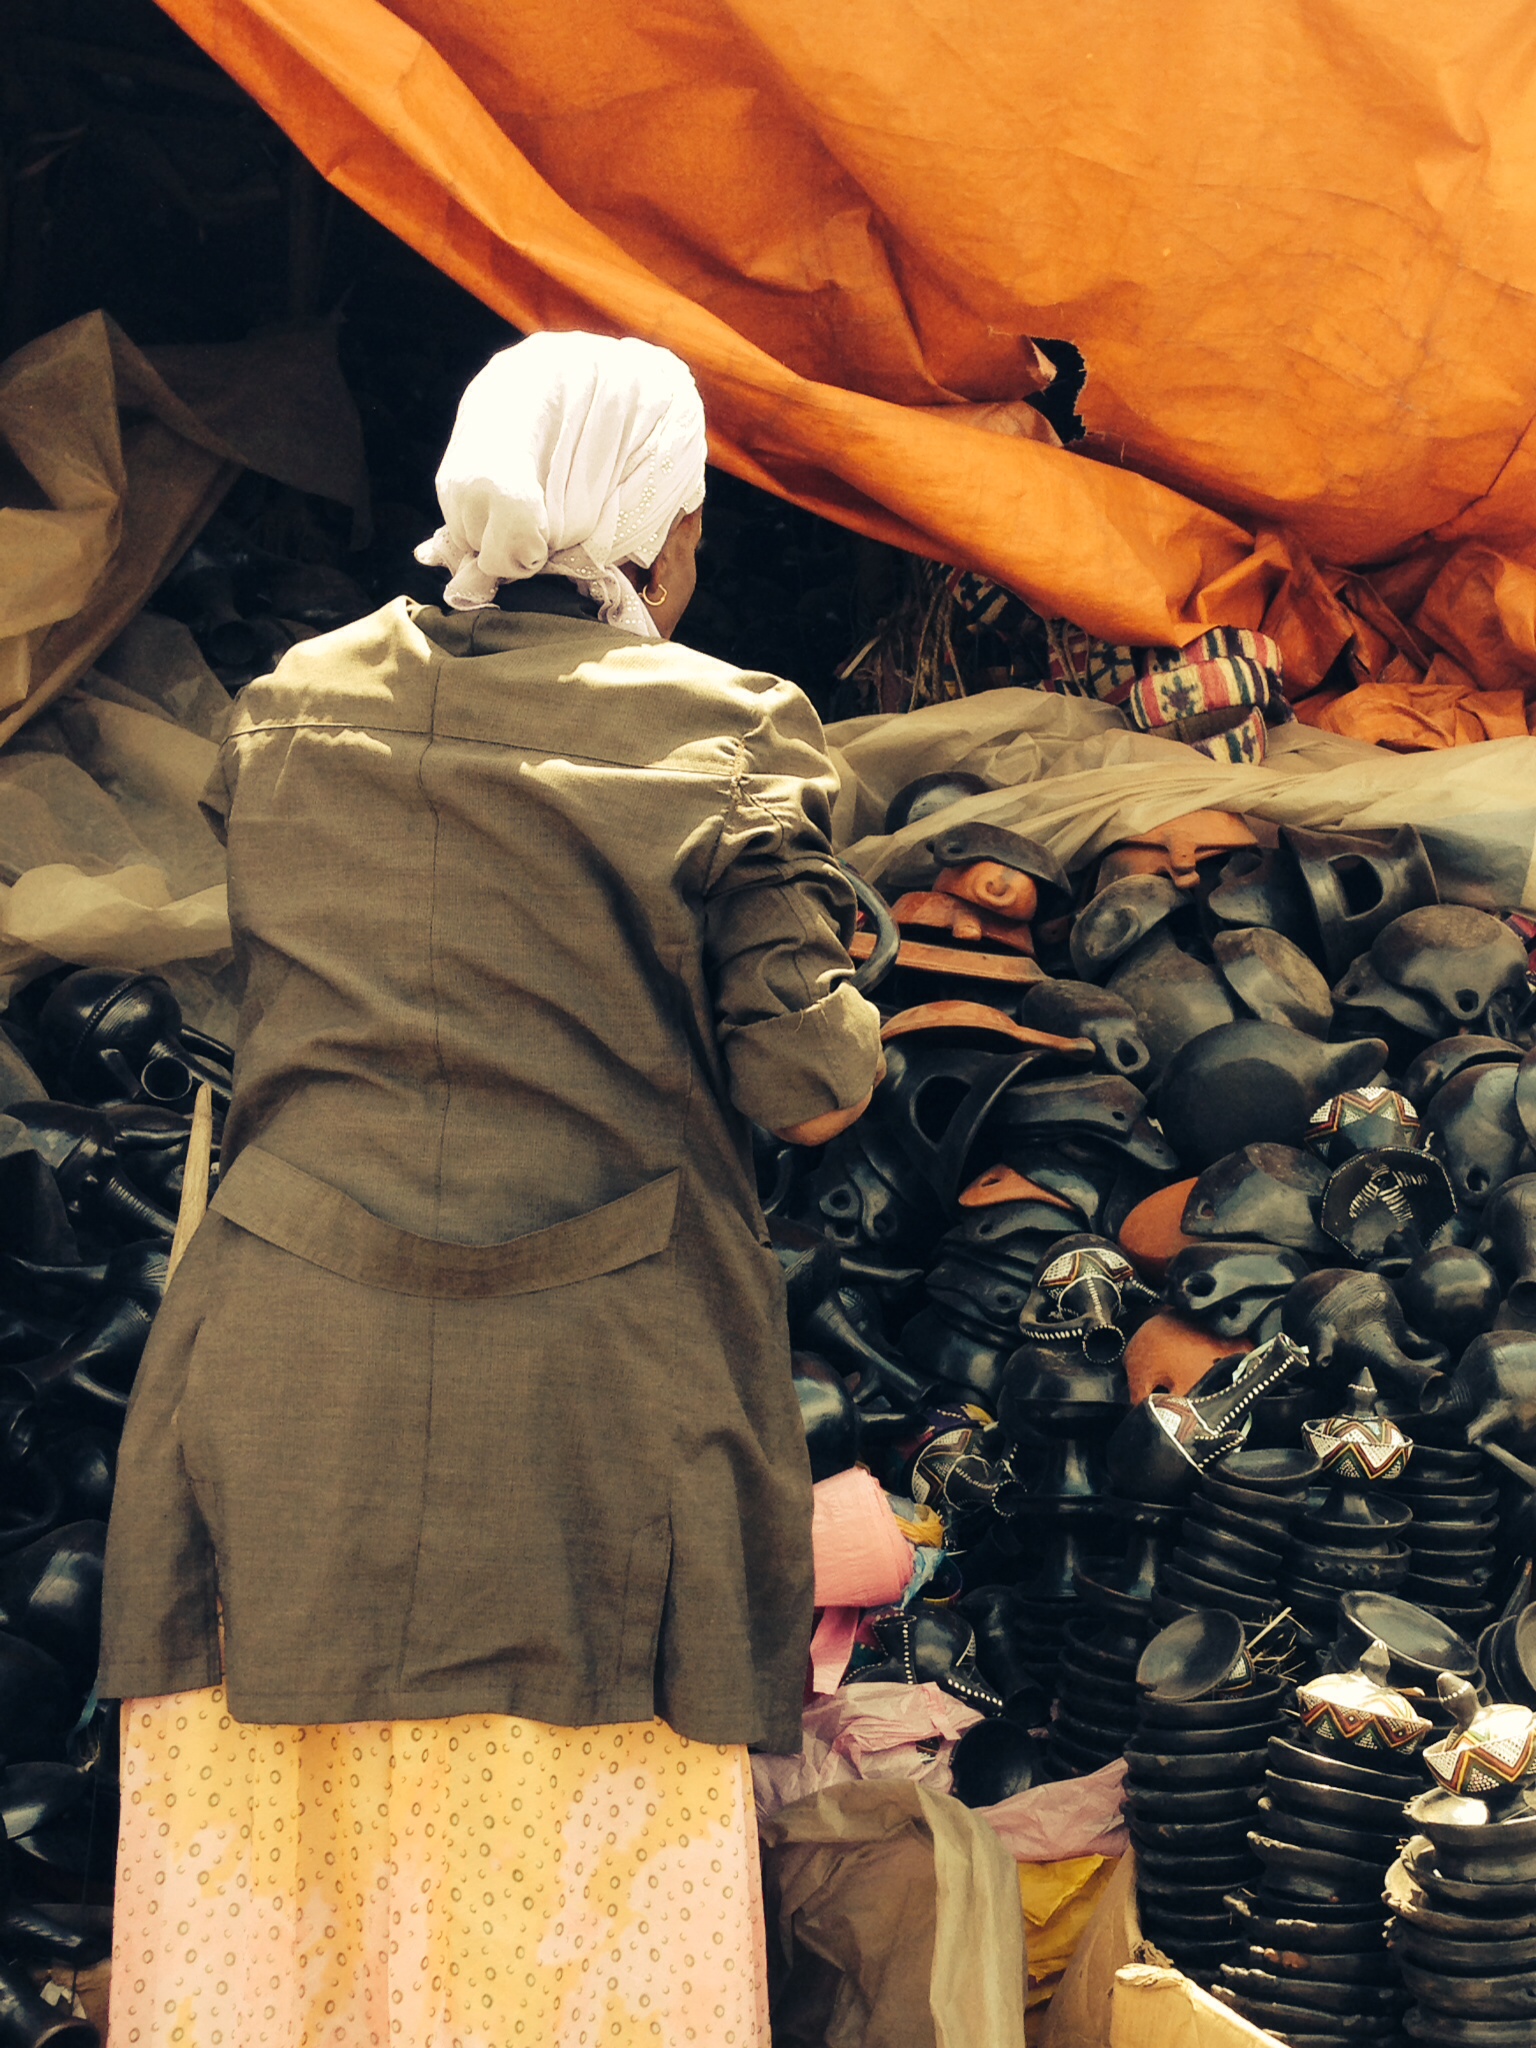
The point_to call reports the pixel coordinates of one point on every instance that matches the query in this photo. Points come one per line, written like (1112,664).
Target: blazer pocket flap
(317,1222)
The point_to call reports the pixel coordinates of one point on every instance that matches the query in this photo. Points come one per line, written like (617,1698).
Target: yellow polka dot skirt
(469,1883)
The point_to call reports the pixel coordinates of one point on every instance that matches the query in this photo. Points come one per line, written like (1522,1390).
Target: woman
(461,1541)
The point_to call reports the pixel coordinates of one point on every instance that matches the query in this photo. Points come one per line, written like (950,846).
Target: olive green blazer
(472,1393)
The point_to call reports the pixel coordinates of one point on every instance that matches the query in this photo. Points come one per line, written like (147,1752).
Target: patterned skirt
(469,1883)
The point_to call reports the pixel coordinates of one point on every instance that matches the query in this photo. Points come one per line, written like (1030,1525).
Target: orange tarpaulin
(1294,239)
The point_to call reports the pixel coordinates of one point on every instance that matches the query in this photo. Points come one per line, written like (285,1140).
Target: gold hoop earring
(659,599)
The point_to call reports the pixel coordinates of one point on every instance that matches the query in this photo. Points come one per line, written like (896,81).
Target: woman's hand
(821,1130)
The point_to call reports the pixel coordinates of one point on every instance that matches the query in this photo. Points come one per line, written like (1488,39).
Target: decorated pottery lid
(1360,1709)
(1491,1751)
(1359,1445)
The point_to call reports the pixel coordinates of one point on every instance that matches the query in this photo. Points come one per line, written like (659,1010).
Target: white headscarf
(571,454)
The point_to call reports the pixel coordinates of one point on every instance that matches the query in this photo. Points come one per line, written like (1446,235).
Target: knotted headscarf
(571,454)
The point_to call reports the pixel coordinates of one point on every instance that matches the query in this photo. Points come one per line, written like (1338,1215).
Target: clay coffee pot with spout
(1352,1323)
(1508,1242)
(1451,1295)
(1269,1192)
(113,1037)
(92,1371)
(1077,1009)
(1273,979)
(1176,992)
(1249,1084)
(95,1174)
(1161,1448)
(1454,958)
(1472,1126)
(1492,1392)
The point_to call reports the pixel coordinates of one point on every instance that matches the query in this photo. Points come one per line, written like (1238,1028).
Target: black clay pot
(1176,995)
(1118,918)
(1508,1242)
(1471,1126)
(50,1595)
(1419,1646)
(1077,1009)
(1336,1805)
(932,1644)
(993,1761)
(76,1936)
(930,794)
(1161,1769)
(1101,1107)
(92,1372)
(1230,1287)
(828,1416)
(1274,980)
(1352,1323)
(1450,1295)
(1250,1083)
(1493,1391)
(94,1175)
(1437,1063)
(116,1037)
(1260,886)
(1453,956)
(1272,1193)
(1358,883)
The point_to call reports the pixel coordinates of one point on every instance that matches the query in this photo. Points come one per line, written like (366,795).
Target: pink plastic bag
(867,1731)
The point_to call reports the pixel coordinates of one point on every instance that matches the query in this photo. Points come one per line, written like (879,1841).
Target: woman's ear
(668,589)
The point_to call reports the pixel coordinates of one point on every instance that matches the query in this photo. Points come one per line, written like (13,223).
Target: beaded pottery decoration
(1492,1749)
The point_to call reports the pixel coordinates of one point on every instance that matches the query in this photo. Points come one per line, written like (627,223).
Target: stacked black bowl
(1235,1539)
(1453,1537)
(1095,1713)
(1464,1926)
(1192,1779)
(1330,1823)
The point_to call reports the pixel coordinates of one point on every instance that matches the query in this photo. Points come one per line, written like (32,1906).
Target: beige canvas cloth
(1070,773)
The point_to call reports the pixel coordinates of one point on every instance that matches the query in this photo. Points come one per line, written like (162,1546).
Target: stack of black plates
(1507,1653)
(1453,1537)
(1464,1926)
(1095,1694)
(1192,1780)
(1328,1829)
(1236,1536)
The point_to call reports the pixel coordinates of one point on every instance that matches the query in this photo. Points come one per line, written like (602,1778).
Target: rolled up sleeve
(797,1038)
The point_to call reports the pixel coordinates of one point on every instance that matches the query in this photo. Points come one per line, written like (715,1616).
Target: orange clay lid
(1002,1184)
(927,909)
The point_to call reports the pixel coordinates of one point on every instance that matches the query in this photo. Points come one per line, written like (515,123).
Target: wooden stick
(194,1182)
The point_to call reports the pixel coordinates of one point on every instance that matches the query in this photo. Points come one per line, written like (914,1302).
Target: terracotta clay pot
(1169,1354)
